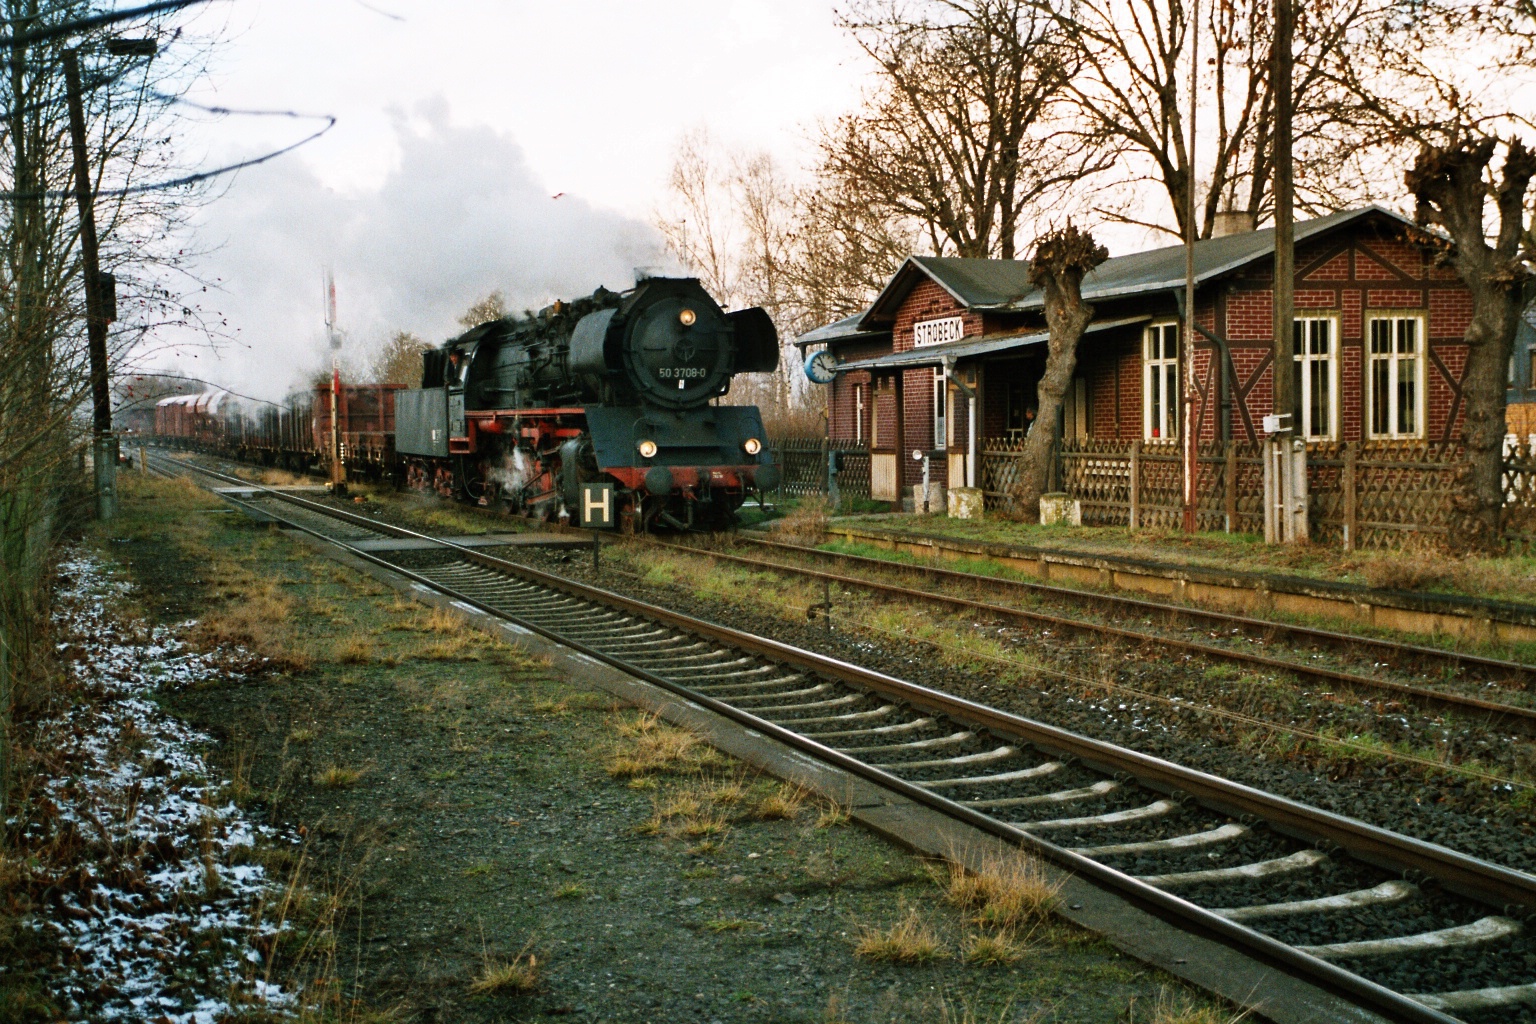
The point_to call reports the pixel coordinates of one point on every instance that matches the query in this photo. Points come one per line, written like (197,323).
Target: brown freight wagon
(367,428)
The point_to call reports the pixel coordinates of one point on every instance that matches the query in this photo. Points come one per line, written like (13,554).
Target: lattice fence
(1098,474)
(803,461)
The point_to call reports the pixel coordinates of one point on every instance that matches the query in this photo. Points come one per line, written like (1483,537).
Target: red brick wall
(928,301)
(1372,263)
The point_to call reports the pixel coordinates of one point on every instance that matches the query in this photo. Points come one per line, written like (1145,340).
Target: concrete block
(1060,508)
(935,498)
(965,503)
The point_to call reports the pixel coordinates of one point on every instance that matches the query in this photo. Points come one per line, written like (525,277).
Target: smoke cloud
(460,215)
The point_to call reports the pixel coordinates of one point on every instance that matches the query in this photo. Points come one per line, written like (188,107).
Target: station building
(1378,355)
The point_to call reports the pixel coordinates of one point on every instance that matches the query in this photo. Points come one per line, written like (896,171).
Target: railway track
(1465,668)
(1411,930)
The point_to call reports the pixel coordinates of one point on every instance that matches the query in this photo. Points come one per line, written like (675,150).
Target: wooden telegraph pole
(103,458)
(100,289)
(1285,481)
(1191,233)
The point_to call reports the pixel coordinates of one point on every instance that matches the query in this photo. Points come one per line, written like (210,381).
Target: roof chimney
(1232,222)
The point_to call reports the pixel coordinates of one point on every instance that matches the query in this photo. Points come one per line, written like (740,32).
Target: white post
(970,435)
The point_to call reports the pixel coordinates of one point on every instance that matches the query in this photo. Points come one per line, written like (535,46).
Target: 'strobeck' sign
(938,332)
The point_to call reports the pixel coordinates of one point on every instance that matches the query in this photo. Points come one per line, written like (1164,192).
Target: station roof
(970,348)
(1003,285)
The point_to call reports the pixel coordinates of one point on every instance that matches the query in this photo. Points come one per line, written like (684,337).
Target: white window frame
(940,409)
(858,414)
(1393,360)
(1160,372)
(1307,358)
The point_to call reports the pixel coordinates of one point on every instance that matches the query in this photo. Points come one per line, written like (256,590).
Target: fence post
(1135,485)
(833,498)
(1351,509)
(1231,486)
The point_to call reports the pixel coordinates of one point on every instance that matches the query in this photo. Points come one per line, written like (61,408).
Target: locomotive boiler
(614,387)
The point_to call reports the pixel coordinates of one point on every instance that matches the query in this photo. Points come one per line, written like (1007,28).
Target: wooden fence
(1378,495)
(805,461)
(1387,495)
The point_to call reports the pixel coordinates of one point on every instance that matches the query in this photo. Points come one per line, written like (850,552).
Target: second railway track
(1489,672)
(1409,929)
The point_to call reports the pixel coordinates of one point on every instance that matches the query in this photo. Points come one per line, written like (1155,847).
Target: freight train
(520,413)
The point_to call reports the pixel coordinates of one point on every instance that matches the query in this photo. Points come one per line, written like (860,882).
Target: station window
(858,414)
(1396,376)
(1160,382)
(1316,377)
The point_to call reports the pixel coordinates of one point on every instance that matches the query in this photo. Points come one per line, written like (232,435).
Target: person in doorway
(455,367)
(1029,418)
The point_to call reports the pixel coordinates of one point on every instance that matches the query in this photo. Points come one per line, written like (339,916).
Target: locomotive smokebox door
(597,506)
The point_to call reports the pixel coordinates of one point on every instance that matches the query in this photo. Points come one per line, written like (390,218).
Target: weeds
(1005,893)
(780,805)
(517,976)
(911,940)
(806,525)
(336,777)
(990,950)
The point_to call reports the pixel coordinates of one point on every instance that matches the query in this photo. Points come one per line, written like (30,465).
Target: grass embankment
(1509,578)
(484,841)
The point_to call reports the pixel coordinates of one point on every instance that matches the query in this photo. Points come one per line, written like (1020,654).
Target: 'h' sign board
(597,505)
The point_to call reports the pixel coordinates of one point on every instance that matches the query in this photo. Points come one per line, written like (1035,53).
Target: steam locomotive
(616,387)
(519,413)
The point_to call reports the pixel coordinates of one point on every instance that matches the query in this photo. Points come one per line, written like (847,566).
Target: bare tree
(492,307)
(1131,94)
(1057,268)
(961,133)
(701,228)
(43,366)
(399,362)
(1435,92)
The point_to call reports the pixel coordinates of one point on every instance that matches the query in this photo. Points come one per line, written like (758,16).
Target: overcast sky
(459,121)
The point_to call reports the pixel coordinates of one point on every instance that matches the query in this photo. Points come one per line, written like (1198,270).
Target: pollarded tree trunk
(1452,184)
(1060,261)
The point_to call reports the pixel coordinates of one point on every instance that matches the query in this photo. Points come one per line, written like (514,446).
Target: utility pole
(96,312)
(1191,441)
(100,289)
(1285,474)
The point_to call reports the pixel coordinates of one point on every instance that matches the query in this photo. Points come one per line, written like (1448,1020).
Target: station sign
(597,511)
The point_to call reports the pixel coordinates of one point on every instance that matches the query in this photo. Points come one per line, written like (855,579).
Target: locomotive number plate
(597,505)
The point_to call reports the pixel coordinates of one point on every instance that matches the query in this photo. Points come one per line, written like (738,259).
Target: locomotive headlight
(647,449)
(751,446)
(687,317)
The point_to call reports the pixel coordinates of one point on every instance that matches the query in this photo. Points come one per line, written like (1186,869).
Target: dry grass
(256,615)
(1413,571)
(781,805)
(990,950)
(647,746)
(911,940)
(807,524)
(705,825)
(353,652)
(571,891)
(336,777)
(831,816)
(1006,893)
(517,976)
(1172,1008)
